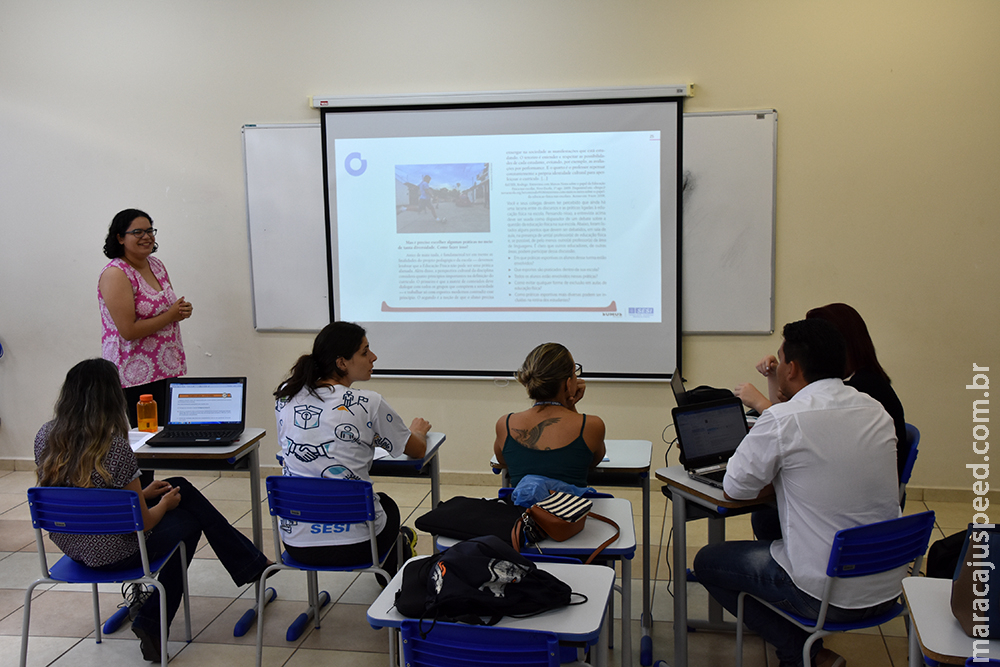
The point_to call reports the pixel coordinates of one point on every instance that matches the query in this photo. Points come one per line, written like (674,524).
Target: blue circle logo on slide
(350,169)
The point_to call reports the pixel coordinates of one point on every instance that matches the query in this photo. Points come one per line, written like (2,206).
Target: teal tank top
(569,464)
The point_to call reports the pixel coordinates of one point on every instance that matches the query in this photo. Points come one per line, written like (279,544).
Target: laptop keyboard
(222,436)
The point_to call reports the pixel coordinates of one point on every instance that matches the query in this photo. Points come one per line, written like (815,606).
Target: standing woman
(86,445)
(140,312)
(550,438)
(328,428)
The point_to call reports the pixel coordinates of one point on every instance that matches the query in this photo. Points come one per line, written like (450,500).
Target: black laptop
(203,411)
(707,435)
(677,385)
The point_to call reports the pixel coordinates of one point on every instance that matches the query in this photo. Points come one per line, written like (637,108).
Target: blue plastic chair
(857,552)
(458,645)
(96,512)
(317,500)
(912,441)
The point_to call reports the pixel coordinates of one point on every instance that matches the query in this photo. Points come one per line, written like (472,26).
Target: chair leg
(164,628)
(739,629)
(26,621)
(187,600)
(97,612)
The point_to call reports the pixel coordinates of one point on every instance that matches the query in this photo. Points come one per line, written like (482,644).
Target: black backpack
(480,577)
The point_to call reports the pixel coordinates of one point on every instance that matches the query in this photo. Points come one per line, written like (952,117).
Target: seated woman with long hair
(863,372)
(87,446)
(329,428)
(550,438)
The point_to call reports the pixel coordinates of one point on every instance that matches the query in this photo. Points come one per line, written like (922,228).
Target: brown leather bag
(559,517)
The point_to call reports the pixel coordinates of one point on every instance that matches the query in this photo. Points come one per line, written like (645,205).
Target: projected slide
(548,227)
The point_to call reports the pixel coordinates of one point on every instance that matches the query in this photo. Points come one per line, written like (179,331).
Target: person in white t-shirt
(828,455)
(328,428)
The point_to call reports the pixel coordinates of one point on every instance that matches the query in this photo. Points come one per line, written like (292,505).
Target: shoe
(409,543)
(827,658)
(270,574)
(135,596)
(149,643)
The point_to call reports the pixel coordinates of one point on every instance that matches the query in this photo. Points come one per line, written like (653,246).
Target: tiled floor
(62,625)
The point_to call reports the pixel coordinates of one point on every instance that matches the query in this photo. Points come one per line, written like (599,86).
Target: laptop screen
(710,432)
(677,385)
(206,402)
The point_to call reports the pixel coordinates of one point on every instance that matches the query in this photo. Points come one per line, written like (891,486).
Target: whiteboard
(727,272)
(286,217)
(728,197)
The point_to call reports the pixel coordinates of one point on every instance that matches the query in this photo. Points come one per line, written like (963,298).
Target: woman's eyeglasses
(139,233)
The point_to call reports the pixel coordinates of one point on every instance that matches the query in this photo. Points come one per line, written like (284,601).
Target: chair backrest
(879,547)
(458,645)
(912,440)
(59,509)
(320,500)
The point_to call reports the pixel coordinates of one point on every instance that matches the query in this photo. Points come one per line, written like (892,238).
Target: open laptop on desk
(707,435)
(203,412)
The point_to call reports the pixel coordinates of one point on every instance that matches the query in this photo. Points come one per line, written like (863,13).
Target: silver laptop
(203,411)
(707,435)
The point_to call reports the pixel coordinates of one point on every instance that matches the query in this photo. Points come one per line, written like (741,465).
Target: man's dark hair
(817,347)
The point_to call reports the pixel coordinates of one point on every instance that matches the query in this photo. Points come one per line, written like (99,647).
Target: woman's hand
(420,425)
(180,310)
(170,499)
(156,489)
(581,388)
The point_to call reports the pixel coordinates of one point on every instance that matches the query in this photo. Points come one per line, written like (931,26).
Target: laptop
(203,411)
(707,435)
(677,385)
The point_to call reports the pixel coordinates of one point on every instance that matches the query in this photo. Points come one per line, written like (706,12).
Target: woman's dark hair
(860,349)
(544,370)
(817,347)
(90,412)
(337,340)
(114,248)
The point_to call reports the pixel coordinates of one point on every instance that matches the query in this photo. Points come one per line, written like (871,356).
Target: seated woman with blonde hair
(550,438)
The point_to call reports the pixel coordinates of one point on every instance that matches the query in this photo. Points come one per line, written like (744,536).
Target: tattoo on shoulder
(529,437)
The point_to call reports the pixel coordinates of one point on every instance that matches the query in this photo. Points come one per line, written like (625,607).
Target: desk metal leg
(255,499)
(716,535)
(243,625)
(435,465)
(626,611)
(680,580)
(646,642)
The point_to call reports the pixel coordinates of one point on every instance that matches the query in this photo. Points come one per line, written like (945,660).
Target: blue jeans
(193,516)
(727,568)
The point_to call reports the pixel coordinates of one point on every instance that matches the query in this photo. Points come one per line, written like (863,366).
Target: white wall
(889,150)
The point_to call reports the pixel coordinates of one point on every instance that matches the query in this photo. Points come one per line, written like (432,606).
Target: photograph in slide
(442,198)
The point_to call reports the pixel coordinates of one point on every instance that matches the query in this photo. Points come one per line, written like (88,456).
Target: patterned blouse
(154,357)
(99,550)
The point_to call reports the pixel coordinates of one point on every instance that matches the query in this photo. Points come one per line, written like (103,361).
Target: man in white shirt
(828,456)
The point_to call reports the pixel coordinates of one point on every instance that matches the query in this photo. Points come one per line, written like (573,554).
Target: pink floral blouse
(154,357)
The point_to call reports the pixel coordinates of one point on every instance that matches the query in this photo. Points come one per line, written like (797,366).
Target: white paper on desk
(137,439)
(380,454)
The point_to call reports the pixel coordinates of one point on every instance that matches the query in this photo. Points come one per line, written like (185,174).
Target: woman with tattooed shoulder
(550,438)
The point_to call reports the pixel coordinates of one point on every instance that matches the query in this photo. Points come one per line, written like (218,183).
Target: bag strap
(608,541)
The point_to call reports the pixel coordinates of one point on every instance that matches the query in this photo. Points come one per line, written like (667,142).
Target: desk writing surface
(676,477)
(235,450)
(434,440)
(938,631)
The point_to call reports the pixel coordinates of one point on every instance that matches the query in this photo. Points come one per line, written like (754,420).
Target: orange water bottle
(146,413)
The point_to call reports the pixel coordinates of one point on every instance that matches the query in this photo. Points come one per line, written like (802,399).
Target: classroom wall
(888,156)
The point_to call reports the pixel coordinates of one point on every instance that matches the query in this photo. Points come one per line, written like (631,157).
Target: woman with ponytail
(328,428)
(550,438)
